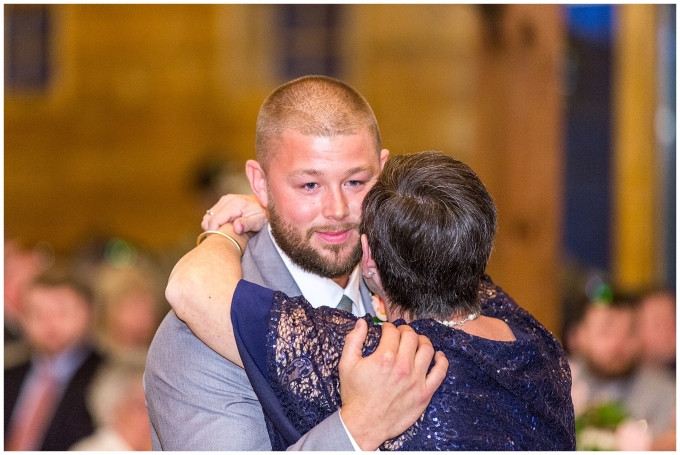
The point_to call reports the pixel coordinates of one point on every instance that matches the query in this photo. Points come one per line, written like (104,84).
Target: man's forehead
(315,172)
(363,133)
(299,154)
(56,294)
(608,314)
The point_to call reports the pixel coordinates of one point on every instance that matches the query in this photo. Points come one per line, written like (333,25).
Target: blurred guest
(216,175)
(657,329)
(21,267)
(45,406)
(607,372)
(579,286)
(128,311)
(118,405)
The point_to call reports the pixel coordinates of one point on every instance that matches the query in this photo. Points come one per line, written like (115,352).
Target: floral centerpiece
(608,426)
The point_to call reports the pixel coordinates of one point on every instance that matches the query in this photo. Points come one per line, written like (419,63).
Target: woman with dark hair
(427,227)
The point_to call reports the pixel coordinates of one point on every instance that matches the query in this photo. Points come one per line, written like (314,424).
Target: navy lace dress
(496,395)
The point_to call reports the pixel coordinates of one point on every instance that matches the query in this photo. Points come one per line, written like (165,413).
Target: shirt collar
(64,364)
(322,291)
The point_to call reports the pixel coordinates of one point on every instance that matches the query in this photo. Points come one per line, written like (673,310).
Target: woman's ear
(372,280)
(258,181)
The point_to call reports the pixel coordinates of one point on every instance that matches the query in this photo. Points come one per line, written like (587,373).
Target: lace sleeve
(304,345)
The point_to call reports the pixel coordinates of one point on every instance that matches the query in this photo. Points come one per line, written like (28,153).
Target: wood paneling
(138,98)
(520,149)
(416,66)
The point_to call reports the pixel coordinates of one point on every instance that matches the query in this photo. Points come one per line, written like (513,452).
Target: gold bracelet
(207,233)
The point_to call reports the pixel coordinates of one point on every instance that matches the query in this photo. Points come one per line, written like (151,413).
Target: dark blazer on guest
(72,420)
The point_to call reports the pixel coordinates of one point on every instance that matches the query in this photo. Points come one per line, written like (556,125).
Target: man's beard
(609,373)
(300,251)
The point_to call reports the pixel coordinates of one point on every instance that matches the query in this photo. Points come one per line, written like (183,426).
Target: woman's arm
(201,287)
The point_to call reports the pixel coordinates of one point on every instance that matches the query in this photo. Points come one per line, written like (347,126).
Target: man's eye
(309,186)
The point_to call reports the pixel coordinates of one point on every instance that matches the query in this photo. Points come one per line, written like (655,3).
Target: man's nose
(335,205)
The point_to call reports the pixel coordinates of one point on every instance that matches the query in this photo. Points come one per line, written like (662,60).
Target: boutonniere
(379,308)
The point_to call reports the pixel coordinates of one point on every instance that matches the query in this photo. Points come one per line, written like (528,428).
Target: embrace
(276,340)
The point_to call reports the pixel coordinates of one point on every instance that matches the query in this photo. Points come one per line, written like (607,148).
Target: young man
(319,152)
(607,368)
(45,398)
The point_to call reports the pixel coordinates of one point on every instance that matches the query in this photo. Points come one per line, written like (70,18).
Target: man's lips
(335,236)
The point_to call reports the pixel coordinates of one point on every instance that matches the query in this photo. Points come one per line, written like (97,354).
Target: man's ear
(384,154)
(367,263)
(258,181)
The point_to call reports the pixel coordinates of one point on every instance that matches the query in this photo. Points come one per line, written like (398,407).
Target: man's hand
(386,392)
(244,211)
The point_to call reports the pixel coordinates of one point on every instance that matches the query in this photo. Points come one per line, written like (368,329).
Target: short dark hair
(430,224)
(619,299)
(61,275)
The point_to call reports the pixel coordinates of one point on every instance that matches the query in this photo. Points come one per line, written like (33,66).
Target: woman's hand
(403,386)
(243,211)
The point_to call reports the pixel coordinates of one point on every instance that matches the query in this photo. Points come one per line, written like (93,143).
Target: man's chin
(315,255)
(335,260)
(329,263)
(332,250)
(611,372)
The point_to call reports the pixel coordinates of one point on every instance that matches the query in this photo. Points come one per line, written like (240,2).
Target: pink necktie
(29,428)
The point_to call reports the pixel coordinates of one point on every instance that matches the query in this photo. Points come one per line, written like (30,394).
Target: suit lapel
(263,265)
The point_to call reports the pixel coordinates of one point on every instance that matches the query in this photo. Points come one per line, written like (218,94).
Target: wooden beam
(635,172)
(519,153)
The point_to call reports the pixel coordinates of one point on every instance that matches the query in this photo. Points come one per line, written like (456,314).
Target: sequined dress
(496,395)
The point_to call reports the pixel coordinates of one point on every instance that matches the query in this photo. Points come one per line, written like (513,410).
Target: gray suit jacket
(198,400)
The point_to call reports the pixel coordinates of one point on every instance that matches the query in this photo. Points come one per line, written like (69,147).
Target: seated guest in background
(21,267)
(607,370)
(128,311)
(657,329)
(45,406)
(428,227)
(118,405)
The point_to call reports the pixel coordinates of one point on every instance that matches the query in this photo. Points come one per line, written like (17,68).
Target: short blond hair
(315,106)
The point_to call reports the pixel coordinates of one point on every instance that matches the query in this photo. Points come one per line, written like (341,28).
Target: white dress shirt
(102,439)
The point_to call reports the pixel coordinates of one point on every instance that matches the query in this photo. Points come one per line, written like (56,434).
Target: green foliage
(605,416)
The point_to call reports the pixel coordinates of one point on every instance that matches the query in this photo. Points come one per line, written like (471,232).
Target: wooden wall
(418,68)
(140,93)
(520,149)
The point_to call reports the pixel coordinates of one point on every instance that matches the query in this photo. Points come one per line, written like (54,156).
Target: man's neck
(342,281)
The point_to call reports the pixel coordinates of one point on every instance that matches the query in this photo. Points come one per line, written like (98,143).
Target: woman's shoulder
(496,303)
